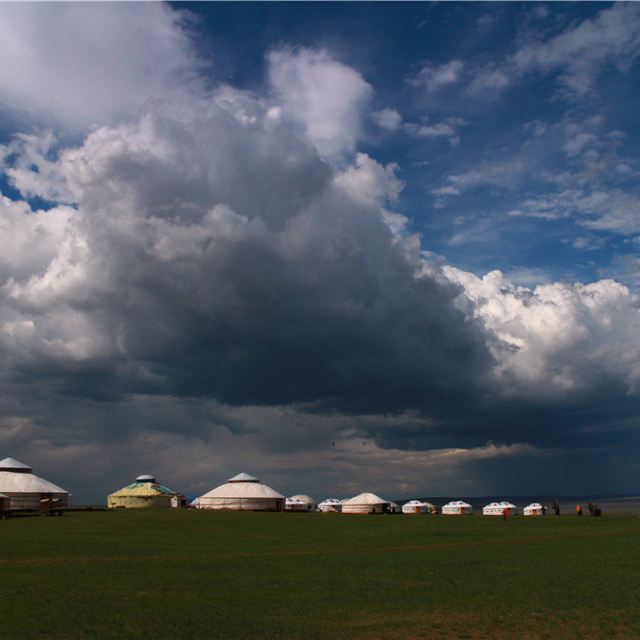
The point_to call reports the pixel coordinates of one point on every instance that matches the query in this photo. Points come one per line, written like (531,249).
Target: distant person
(578,509)
(505,513)
(591,508)
(556,507)
(544,510)
(597,512)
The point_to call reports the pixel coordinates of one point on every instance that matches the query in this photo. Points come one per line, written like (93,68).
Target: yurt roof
(366,498)
(457,503)
(534,505)
(503,504)
(301,497)
(418,503)
(142,489)
(11,482)
(11,464)
(243,477)
(243,486)
(331,501)
(145,478)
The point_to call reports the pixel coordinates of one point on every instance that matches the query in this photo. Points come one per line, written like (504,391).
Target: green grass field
(196,574)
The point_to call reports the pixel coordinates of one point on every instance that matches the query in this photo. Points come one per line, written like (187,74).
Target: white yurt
(457,508)
(301,502)
(330,505)
(242,493)
(418,506)
(26,490)
(497,509)
(394,507)
(534,509)
(365,503)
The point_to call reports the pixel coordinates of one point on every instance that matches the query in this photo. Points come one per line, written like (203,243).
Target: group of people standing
(593,509)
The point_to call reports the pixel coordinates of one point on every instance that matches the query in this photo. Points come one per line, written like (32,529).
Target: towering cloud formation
(219,255)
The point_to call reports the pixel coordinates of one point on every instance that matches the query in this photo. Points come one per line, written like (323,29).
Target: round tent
(145,493)
(330,505)
(534,509)
(242,493)
(497,508)
(26,490)
(365,503)
(418,506)
(301,502)
(457,508)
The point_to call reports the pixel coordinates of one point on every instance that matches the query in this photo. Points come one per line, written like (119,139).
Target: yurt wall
(138,502)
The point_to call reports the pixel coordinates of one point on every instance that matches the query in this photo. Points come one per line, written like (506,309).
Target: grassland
(169,574)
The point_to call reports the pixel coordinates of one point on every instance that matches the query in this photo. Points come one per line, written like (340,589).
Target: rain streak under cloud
(333,270)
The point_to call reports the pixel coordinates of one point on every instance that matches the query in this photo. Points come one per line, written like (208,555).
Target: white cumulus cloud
(75,65)
(557,338)
(322,95)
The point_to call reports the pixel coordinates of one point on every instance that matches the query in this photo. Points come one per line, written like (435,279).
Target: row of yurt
(145,493)
(499,509)
(459,507)
(21,490)
(26,491)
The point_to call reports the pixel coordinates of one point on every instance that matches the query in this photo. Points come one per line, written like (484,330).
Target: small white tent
(497,509)
(301,502)
(534,509)
(330,505)
(457,508)
(26,490)
(242,493)
(418,506)
(365,503)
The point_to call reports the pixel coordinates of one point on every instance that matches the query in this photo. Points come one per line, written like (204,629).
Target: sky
(343,247)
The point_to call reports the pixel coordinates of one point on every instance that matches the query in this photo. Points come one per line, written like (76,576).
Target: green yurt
(144,493)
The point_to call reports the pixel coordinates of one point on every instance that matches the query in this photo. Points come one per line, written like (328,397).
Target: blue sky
(510,140)
(341,246)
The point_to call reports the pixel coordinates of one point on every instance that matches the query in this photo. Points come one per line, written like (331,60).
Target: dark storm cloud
(234,264)
(221,258)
